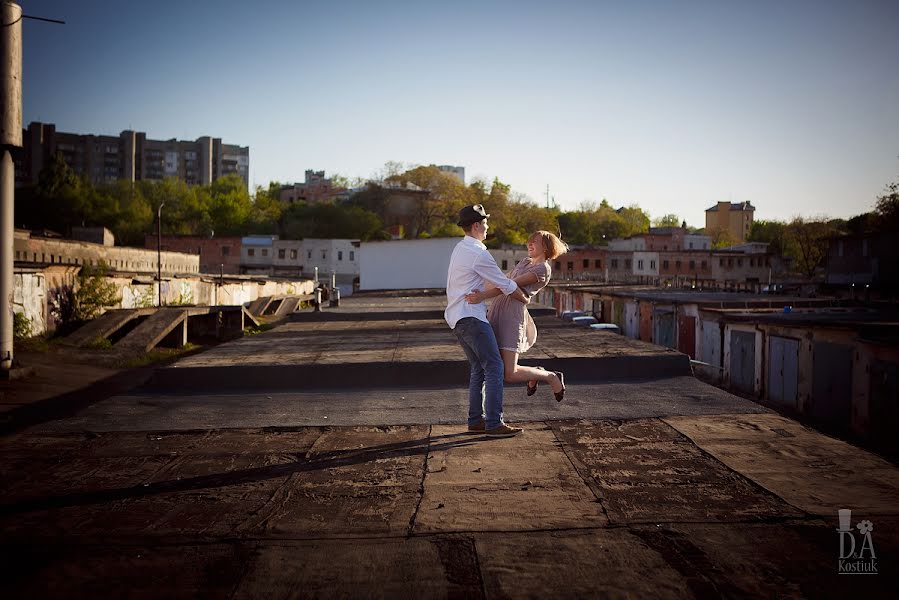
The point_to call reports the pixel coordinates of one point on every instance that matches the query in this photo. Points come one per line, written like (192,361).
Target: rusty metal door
(711,343)
(664,328)
(742,361)
(783,370)
(686,335)
(832,383)
(632,320)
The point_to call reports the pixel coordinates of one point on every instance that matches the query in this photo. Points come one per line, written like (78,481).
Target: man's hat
(472,214)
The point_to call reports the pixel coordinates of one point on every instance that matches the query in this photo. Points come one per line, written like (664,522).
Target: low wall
(36,290)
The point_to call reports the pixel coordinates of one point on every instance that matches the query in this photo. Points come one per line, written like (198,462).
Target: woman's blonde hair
(552,246)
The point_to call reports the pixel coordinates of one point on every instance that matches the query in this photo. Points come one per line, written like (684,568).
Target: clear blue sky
(791,104)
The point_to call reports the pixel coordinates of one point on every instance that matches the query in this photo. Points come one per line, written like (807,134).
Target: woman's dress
(512,324)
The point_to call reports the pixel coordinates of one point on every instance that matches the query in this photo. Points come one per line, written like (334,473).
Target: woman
(512,324)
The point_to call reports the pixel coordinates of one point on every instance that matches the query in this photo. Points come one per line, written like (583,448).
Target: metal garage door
(884,407)
(664,326)
(742,361)
(832,383)
(711,343)
(783,370)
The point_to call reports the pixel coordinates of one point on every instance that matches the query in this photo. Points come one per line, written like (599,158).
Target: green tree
(669,220)
(811,239)
(722,238)
(94,292)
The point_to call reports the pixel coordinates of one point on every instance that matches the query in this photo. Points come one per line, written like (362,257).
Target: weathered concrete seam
(579,474)
(421,486)
(752,482)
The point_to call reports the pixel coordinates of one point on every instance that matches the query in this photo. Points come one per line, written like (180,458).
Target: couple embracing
(492,342)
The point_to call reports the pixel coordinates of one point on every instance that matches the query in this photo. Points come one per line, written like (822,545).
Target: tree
(669,220)
(635,220)
(811,239)
(887,208)
(722,238)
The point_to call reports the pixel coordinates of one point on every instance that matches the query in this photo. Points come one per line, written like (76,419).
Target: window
(664,264)
(352,255)
(739,262)
(505,265)
(691,245)
(614,263)
(293,254)
(652,264)
(704,265)
(720,262)
(730,262)
(751,262)
(640,264)
(597,263)
(570,266)
(692,264)
(265,252)
(677,265)
(340,255)
(586,263)
(324,254)
(282,253)
(251,252)
(558,265)
(627,264)
(309,255)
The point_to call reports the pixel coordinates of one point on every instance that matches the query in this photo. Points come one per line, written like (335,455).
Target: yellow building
(733,217)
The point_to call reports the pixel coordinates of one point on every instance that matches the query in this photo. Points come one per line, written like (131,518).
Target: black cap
(472,214)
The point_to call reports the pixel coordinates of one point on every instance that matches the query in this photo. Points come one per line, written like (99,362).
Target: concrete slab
(136,571)
(511,484)
(810,470)
(791,559)
(599,563)
(153,330)
(105,325)
(646,472)
(402,351)
(398,568)
(396,406)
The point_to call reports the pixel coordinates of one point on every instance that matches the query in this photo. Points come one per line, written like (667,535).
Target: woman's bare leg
(515,373)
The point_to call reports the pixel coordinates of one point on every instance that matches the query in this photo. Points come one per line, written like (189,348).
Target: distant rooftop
(734,206)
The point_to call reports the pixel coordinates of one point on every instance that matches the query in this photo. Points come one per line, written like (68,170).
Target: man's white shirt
(471,265)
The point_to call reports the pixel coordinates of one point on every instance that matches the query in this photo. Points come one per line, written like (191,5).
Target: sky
(673,106)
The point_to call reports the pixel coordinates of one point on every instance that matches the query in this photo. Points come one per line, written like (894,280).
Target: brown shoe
(504,430)
(477,428)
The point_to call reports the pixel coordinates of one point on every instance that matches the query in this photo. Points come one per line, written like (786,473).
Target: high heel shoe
(533,390)
(560,395)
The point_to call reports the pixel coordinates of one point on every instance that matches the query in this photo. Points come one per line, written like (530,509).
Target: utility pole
(10,139)
(547,196)
(159,256)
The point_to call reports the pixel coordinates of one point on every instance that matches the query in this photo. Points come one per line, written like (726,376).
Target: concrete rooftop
(640,484)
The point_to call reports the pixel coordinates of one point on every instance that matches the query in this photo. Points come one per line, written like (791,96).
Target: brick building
(733,217)
(217,254)
(314,190)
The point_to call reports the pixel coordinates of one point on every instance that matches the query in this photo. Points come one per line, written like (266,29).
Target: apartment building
(733,217)
(130,156)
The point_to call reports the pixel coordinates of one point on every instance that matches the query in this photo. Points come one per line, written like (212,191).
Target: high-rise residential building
(130,156)
(733,217)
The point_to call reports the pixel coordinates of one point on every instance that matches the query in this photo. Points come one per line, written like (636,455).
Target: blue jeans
(480,347)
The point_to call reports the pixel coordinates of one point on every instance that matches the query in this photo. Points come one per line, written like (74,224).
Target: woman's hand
(475,297)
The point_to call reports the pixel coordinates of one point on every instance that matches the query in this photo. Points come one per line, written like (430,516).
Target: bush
(94,292)
(21,326)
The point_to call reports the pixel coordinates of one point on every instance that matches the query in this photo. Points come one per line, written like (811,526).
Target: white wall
(405,264)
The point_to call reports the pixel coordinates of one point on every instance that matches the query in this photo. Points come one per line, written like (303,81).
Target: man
(471,265)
